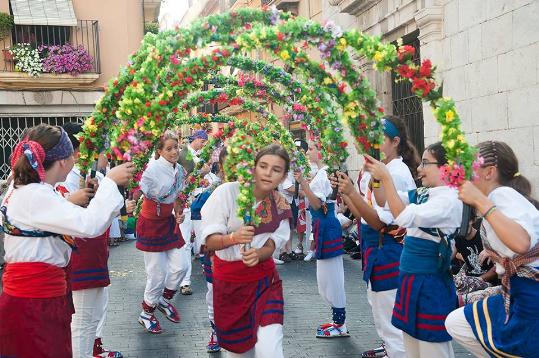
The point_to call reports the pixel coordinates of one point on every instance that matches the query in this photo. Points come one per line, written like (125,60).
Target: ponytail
(406,149)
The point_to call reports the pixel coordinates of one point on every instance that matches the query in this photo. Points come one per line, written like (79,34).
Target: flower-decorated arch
(165,70)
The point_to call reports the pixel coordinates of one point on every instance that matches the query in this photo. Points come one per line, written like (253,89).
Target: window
(407,105)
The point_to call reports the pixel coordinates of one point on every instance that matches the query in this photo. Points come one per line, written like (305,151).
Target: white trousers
(90,307)
(458,327)
(330,278)
(186,254)
(186,227)
(163,270)
(197,228)
(269,343)
(209,301)
(422,349)
(382,310)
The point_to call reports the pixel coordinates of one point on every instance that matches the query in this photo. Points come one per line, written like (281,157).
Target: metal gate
(11,130)
(407,105)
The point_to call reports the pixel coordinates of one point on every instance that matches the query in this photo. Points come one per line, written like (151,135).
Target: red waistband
(34,280)
(237,271)
(149,209)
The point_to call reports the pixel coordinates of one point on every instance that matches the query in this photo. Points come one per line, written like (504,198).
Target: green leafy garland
(136,105)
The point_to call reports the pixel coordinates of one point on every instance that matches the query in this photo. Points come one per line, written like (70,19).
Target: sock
(339,315)
(168,293)
(147,308)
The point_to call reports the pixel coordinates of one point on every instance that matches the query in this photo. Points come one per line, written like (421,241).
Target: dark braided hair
(501,156)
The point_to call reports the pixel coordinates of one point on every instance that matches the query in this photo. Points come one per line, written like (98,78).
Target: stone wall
(487,55)
(491,68)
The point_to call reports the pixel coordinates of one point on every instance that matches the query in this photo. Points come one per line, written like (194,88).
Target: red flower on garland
(280,36)
(422,86)
(426,69)
(405,52)
(189,80)
(406,71)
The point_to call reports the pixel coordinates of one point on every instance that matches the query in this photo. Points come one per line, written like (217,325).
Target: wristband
(489,211)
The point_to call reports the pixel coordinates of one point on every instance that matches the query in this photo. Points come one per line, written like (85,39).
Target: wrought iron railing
(11,132)
(85,34)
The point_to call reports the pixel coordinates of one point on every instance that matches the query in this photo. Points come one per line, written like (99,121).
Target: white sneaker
(309,256)
(297,250)
(277,261)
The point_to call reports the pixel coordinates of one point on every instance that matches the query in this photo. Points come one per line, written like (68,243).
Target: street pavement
(304,311)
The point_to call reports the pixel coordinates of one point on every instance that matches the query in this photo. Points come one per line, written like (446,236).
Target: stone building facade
(486,53)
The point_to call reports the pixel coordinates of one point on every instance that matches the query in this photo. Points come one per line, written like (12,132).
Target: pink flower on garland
(453,175)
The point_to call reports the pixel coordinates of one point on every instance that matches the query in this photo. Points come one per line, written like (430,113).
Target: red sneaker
(100,352)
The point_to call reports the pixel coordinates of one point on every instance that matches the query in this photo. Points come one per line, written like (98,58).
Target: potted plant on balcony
(6,24)
(26,59)
(66,59)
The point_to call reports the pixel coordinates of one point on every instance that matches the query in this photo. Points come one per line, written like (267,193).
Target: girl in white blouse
(247,290)
(504,325)
(36,305)
(426,293)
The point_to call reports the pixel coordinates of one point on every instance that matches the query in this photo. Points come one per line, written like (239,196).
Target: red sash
(34,280)
(237,271)
(153,210)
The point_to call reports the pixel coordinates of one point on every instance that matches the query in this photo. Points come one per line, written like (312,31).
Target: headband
(389,129)
(36,155)
(62,150)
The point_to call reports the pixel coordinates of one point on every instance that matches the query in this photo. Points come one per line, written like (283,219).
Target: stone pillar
(429,21)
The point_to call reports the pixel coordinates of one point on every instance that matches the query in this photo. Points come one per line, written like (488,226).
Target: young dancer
(426,292)
(213,342)
(504,325)
(329,246)
(89,272)
(381,239)
(158,234)
(247,290)
(36,305)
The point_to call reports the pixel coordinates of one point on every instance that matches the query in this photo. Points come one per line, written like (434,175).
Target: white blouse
(516,207)
(403,181)
(219,216)
(159,177)
(443,210)
(321,186)
(38,207)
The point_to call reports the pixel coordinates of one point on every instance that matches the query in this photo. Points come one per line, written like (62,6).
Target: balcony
(69,56)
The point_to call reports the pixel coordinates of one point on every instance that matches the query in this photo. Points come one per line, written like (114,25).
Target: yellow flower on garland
(378,56)
(449,116)
(328,81)
(92,128)
(342,44)
(284,55)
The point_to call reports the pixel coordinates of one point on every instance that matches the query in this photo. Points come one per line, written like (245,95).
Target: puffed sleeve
(440,211)
(321,186)
(65,218)
(216,212)
(282,234)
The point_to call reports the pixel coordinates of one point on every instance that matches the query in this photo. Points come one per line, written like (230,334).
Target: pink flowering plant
(66,59)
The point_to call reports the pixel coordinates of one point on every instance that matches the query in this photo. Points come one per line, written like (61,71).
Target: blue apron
(381,259)
(327,232)
(519,336)
(426,292)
